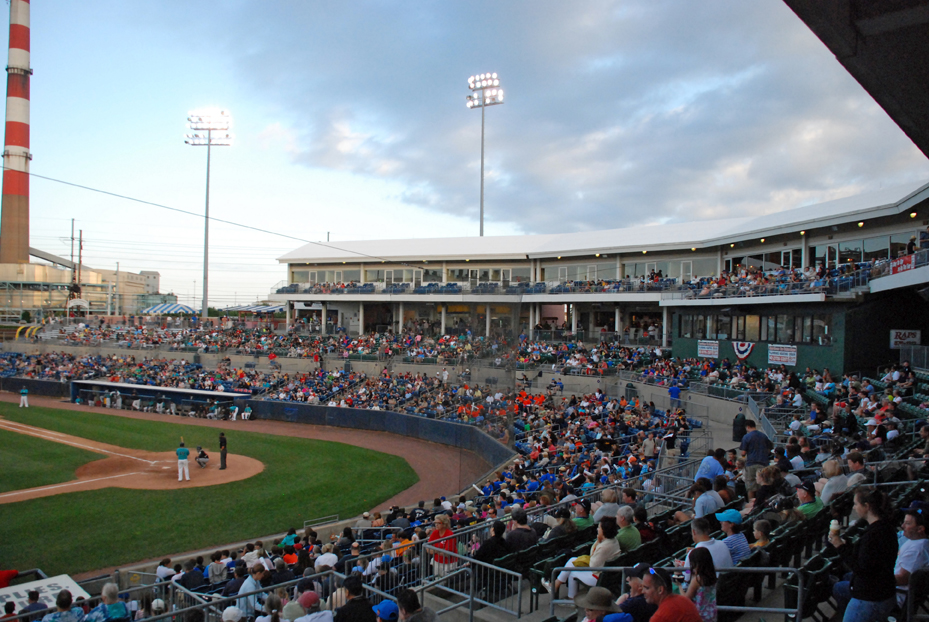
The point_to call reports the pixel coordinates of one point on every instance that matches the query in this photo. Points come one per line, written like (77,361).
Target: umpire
(222,451)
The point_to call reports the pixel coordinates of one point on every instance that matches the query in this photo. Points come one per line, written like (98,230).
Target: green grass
(81,531)
(28,462)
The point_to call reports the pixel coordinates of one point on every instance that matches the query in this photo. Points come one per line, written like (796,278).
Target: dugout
(182,398)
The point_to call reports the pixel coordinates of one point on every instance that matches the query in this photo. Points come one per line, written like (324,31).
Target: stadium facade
(597,284)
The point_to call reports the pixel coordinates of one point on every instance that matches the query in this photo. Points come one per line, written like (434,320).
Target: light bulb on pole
(215,124)
(485,91)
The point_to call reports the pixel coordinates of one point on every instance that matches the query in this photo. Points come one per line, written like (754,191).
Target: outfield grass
(82,531)
(29,462)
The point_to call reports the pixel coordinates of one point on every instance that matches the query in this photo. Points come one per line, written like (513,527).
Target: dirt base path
(128,468)
(441,470)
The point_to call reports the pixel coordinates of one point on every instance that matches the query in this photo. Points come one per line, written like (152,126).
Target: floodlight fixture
(485,91)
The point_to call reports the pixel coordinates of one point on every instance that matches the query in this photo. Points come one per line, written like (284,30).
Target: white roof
(698,234)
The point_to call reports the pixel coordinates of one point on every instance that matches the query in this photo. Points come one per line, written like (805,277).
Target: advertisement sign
(47,588)
(782,355)
(905,338)
(707,349)
(902,264)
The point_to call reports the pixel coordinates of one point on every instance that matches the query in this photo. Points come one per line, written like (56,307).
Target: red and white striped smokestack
(14,207)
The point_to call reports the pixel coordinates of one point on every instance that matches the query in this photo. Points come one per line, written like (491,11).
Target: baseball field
(277,482)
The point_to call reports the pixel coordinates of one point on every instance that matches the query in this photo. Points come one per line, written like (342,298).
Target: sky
(350,123)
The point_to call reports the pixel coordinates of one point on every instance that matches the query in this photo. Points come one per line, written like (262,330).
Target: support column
(287,305)
(616,323)
(719,262)
(532,321)
(443,319)
(487,321)
(574,318)
(325,312)
(805,251)
(665,329)
(361,318)
(400,320)
(591,324)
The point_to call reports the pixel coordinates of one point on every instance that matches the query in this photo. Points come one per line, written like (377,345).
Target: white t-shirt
(913,555)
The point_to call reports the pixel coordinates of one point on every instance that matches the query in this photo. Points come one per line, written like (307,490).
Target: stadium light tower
(485,91)
(204,124)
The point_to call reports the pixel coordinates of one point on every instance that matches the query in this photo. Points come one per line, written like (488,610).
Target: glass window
(796,258)
(822,329)
(807,323)
(850,252)
(606,271)
(769,329)
(817,256)
(521,275)
(687,326)
(705,266)
(495,274)
(700,326)
(876,248)
(785,329)
(457,275)
(739,326)
(300,276)
(752,328)
(374,276)
(898,243)
(351,275)
(772,261)
(723,326)
(432,275)
(483,275)
(710,326)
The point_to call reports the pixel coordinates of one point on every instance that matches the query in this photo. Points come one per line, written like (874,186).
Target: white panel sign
(47,588)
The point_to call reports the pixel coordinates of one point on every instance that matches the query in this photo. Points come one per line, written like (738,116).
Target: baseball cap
(158,605)
(308,599)
(387,610)
(366,515)
(807,486)
(918,508)
(232,614)
(637,571)
(730,516)
(871,422)
(583,502)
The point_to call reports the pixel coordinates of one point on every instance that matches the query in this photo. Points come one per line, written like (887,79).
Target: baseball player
(24,398)
(182,467)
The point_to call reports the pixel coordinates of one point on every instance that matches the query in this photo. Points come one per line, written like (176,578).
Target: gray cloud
(616,112)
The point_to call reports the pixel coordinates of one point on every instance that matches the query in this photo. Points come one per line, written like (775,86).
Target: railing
(918,356)
(322,520)
(489,585)
(727,393)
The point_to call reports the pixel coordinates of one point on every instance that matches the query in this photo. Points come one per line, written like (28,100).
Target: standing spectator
(871,591)
(443,537)
(756,449)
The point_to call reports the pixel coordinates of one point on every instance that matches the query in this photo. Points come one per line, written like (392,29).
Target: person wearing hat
(633,602)
(310,602)
(387,611)
(582,514)
(730,522)
(656,586)
(182,465)
(914,550)
(364,522)
(596,603)
(810,504)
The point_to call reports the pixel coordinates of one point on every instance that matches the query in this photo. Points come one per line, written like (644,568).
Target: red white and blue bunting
(743,349)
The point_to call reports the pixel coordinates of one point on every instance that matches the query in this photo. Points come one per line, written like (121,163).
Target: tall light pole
(485,91)
(209,122)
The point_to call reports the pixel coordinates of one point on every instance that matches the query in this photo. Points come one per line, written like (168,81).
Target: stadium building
(845,283)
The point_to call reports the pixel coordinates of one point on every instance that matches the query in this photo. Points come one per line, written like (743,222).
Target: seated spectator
(702,587)
(582,514)
(281,574)
(603,551)
(357,607)
(810,504)
(111,608)
(914,550)
(834,481)
(730,521)
(762,533)
(703,504)
(34,604)
(494,547)
(607,505)
(596,603)
(633,602)
(522,536)
(628,536)
(411,610)
(310,602)
(658,591)
(65,612)
(564,525)
(857,473)
(192,577)
(700,532)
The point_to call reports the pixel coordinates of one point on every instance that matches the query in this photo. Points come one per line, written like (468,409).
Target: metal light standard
(208,122)
(485,91)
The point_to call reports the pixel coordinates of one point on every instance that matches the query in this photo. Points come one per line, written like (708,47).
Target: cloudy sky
(350,121)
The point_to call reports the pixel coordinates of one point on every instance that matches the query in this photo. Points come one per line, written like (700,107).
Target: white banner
(905,338)
(707,349)
(782,355)
(47,588)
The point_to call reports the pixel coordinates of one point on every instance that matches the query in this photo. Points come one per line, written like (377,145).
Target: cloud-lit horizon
(351,119)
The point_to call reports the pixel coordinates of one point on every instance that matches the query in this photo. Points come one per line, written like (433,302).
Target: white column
(665,329)
(616,322)
(325,312)
(532,321)
(361,318)
(400,320)
(287,306)
(591,324)
(573,318)
(719,262)
(805,251)
(443,319)
(487,320)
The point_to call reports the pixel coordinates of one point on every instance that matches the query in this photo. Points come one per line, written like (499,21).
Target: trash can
(738,428)
(631,392)
(347,368)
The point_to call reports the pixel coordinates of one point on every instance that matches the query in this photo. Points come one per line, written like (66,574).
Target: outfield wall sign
(782,355)
(47,588)
(707,349)
(905,338)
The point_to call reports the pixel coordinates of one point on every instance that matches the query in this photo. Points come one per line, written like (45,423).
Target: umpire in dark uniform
(222,451)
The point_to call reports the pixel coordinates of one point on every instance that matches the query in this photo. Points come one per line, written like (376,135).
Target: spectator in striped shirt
(730,522)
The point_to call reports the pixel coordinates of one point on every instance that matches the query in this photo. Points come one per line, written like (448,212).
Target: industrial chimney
(14,207)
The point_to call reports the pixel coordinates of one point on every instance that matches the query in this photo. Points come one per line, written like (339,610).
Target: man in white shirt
(700,531)
(914,550)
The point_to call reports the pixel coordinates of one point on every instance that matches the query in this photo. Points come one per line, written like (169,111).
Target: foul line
(38,432)
(76,483)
